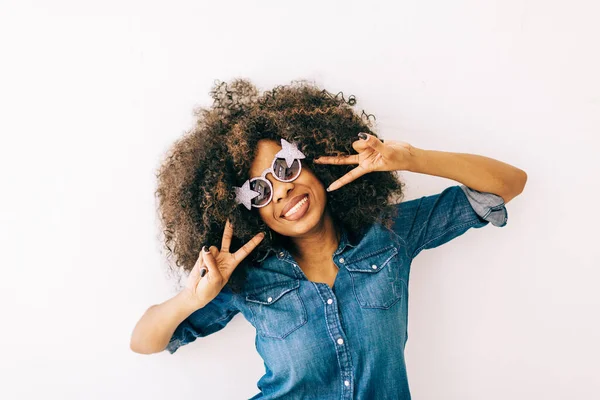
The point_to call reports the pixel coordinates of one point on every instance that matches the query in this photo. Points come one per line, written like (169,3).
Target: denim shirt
(345,341)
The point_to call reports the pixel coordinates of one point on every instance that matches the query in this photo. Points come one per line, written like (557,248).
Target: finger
(338,160)
(349,177)
(210,263)
(214,251)
(227,235)
(373,142)
(247,248)
(195,272)
(360,146)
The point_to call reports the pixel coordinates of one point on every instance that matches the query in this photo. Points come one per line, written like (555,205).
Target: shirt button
(270,299)
(340,341)
(374,266)
(329,301)
(342,260)
(347,383)
(281,254)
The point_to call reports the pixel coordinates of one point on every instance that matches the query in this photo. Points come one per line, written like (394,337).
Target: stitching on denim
(356,297)
(332,338)
(230,314)
(378,251)
(394,236)
(499,207)
(486,215)
(471,222)
(304,313)
(266,335)
(369,270)
(383,307)
(282,284)
(280,295)
(354,285)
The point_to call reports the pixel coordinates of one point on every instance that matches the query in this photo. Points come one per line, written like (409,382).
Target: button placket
(335,327)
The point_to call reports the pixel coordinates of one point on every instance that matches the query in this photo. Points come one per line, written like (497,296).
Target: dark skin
(314,237)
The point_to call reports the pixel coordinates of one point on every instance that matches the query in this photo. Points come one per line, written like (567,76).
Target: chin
(302,226)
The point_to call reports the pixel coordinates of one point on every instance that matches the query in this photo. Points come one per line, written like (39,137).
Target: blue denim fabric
(345,342)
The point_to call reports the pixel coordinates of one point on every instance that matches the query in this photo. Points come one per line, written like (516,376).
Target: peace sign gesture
(373,155)
(214,267)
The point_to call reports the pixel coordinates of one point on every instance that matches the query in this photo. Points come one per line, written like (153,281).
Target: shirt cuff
(488,206)
(173,345)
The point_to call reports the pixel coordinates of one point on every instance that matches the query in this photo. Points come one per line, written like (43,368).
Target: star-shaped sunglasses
(286,167)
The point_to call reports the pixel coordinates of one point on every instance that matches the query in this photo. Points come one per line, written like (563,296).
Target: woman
(327,286)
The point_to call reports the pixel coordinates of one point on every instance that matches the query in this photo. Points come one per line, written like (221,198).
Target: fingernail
(329,189)
(262,234)
(202,272)
(362,135)
(205,249)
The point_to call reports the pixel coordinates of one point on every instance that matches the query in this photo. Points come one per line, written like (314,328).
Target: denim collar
(282,253)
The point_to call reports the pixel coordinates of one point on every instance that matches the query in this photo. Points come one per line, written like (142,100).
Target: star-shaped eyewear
(286,167)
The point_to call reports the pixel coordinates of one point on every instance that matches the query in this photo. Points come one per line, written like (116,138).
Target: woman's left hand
(373,155)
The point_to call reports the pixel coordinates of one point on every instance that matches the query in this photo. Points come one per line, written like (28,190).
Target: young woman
(296,207)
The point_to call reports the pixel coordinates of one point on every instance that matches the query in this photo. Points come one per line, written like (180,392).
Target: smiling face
(308,216)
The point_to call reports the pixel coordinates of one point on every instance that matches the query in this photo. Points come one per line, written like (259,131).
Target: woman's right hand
(219,265)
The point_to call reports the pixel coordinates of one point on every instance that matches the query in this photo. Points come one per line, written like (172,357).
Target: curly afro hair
(196,178)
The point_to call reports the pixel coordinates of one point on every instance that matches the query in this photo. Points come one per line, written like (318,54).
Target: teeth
(296,207)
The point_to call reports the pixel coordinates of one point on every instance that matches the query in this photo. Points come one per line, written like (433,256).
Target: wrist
(416,159)
(188,301)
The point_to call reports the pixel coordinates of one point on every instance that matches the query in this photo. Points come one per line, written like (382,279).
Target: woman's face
(285,194)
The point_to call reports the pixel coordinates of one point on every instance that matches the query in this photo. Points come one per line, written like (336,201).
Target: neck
(317,246)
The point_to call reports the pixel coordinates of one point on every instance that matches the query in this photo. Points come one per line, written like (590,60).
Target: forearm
(155,328)
(477,172)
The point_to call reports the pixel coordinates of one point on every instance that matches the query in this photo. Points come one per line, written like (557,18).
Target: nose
(281,190)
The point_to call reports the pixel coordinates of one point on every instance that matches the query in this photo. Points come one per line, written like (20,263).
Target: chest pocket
(375,278)
(277,310)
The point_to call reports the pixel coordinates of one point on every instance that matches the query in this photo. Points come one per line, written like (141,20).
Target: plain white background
(93,93)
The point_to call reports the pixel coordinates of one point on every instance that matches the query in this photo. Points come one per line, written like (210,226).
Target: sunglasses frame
(263,177)
(290,153)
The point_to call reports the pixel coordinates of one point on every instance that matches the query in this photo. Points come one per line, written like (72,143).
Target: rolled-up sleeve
(431,221)
(207,320)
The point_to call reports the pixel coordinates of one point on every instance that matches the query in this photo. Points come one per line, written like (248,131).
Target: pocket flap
(372,262)
(271,294)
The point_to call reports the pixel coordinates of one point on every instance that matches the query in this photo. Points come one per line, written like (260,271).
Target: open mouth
(298,210)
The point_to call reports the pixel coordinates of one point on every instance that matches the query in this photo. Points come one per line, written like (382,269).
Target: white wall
(92,94)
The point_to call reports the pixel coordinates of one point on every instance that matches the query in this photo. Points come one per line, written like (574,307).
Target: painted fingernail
(202,272)
(362,135)
(205,249)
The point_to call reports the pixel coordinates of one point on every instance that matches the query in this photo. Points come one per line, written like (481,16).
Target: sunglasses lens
(282,172)
(264,189)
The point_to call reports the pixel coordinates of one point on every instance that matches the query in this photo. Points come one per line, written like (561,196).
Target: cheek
(318,188)
(266,214)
